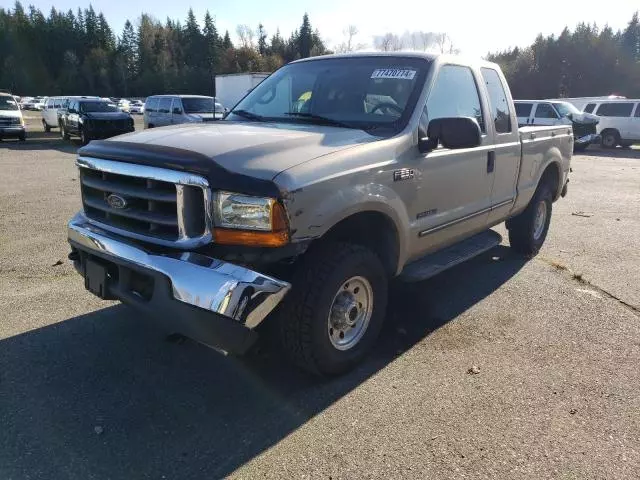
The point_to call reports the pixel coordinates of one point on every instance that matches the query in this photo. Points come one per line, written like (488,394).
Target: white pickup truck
(331,177)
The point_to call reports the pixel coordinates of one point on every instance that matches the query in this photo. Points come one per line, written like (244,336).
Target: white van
(553,113)
(50,112)
(619,121)
(163,110)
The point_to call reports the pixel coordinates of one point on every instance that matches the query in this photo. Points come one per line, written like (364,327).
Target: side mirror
(569,116)
(177,111)
(453,133)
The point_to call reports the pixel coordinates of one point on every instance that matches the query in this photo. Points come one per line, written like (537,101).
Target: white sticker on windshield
(401,73)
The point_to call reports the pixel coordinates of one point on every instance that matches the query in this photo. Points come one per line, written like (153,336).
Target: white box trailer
(232,87)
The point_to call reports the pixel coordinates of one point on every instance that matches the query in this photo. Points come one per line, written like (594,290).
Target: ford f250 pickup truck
(331,177)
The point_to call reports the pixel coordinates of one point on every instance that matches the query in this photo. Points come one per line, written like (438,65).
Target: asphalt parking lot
(500,368)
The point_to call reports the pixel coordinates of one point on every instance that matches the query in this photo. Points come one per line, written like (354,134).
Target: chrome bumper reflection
(201,281)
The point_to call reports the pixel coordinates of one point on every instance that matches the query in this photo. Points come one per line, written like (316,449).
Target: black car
(93,119)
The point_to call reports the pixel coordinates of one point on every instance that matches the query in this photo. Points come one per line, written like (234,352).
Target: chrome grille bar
(162,206)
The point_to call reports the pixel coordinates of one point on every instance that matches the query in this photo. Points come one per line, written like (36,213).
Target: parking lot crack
(579,278)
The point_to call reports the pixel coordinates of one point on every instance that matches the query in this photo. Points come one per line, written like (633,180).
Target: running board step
(434,263)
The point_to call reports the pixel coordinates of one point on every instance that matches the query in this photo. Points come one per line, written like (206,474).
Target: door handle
(491,161)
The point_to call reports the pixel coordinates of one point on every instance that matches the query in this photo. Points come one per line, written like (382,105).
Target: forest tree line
(587,61)
(79,53)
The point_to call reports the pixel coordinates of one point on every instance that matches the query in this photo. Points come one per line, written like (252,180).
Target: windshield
(198,105)
(8,103)
(353,92)
(565,108)
(89,107)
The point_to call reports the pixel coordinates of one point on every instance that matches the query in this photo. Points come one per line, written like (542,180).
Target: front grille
(9,121)
(582,129)
(161,206)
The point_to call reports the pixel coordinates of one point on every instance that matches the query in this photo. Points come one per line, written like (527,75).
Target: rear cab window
(497,100)
(617,109)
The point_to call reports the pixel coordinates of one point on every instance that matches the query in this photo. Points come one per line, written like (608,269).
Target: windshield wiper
(248,115)
(320,119)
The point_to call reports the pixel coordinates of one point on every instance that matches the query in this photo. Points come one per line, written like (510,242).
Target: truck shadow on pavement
(103,396)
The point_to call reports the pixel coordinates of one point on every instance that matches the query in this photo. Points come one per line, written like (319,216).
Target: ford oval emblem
(116,201)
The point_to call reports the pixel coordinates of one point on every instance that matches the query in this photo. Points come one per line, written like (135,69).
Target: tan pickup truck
(331,177)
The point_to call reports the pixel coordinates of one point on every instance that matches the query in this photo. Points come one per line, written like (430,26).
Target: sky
(475,27)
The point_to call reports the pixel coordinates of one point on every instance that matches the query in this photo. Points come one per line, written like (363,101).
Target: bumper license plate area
(97,278)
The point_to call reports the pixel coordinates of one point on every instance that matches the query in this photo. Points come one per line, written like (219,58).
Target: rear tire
(46,127)
(528,230)
(610,139)
(332,317)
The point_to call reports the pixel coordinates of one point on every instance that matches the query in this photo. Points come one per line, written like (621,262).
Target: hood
(106,115)
(260,150)
(585,118)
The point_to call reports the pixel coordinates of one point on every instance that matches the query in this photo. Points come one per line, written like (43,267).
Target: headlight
(246,220)
(241,211)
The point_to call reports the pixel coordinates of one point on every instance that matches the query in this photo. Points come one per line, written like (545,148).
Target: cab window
(523,109)
(497,100)
(589,108)
(545,110)
(455,94)
(164,105)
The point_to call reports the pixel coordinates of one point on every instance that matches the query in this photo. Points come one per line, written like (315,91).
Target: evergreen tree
(262,41)
(304,39)
(226,42)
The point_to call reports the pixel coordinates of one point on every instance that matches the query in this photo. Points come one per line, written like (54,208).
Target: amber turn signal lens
(229,236)
(278,237)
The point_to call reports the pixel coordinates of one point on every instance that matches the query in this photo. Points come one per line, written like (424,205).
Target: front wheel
(336,308)
(63,132)
(528,231)
(46,127)
(84,139)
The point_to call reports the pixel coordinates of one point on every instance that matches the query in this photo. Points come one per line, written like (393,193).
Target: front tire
(84,139)
(610,139)
(528,230)
(63,132)
(335,310)
(46,127)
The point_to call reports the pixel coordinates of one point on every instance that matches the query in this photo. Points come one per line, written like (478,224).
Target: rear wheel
(528,231)
(46,127)
(610,139)
(336,308)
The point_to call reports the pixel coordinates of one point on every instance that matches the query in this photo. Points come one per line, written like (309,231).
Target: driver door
(453,197)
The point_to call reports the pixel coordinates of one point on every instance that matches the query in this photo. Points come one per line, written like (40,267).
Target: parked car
(545,112)
(137,106)
(163,110)
(124,105)
(315,211)
(619,121)
(53,107)
(29,103)
(91,119)
(11,121)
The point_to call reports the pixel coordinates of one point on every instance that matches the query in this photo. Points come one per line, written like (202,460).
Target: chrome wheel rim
(350,313)
(540,220)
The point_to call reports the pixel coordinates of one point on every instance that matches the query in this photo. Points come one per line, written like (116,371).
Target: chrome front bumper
(219,289)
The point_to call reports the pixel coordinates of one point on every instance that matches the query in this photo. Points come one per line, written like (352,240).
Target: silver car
(163,110)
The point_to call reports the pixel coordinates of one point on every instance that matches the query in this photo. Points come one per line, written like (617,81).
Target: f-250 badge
(403,174)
